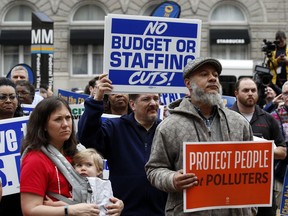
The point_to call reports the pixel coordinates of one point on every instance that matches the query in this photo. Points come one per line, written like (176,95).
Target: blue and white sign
(228,100)
(27,108)
(11,132)
(72,97)
(145,54)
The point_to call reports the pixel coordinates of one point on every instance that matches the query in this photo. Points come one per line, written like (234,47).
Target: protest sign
(11,133)
(145,54)
(230,174)
(78,110)
(284,199)
(27,108)
(228,100)
(72,97)
(166,99)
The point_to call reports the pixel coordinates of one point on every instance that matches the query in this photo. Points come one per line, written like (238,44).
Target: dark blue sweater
(127,146)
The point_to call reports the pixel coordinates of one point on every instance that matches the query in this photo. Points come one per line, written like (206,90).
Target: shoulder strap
(63,165)
(62,198)
(68,171)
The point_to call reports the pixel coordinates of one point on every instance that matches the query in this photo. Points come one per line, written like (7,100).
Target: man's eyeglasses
(285,94)
(4,97)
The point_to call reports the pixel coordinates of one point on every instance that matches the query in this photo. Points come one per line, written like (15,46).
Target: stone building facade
(233,28)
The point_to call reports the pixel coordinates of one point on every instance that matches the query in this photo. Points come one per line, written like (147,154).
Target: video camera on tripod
(268,47)
(262,75)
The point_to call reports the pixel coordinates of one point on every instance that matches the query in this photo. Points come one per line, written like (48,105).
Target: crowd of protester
(144,153)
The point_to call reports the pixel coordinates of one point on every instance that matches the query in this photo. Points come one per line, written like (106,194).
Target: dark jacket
(265,126)
(127,146)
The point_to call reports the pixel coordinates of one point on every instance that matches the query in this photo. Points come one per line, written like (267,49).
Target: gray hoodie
(185,125)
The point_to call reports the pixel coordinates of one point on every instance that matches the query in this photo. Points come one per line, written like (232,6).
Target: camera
(262,75)
(269,46)
(262,78)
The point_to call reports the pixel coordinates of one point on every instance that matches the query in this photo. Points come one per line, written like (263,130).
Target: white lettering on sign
(41,36)
(230,41)
(8,140)
(157,28)
(140,77)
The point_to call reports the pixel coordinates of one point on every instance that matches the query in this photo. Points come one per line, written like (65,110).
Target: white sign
(148,54)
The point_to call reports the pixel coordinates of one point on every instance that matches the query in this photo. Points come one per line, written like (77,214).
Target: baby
(89,163)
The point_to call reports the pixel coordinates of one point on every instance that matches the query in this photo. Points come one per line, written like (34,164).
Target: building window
(87,59)
(87,44)
(229,36)
(227,13)
(15,42)
(14,55)
(89,12)
(19,13)
(228,51)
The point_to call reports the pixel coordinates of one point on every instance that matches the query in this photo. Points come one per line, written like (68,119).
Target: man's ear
(90,89)
(132,104)
(187,82)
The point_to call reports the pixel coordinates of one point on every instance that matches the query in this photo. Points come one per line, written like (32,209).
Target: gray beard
(207,98)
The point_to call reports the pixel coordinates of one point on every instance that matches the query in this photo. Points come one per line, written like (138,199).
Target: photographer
(279,60)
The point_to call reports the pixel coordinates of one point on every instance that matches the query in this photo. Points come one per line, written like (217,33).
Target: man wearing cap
(201,117)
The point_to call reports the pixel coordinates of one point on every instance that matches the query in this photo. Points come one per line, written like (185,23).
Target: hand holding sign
(103,85)
(183,181)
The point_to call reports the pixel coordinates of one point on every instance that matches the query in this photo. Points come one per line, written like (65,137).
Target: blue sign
(11,133)
(284,200)
(228,100)
(148,54)
(72,97)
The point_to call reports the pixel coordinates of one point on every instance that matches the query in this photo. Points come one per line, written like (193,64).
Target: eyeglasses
(285,93)
(4,97)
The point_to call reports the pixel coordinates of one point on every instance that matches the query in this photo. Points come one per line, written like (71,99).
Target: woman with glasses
(9,108)
(9,104)
(25,91)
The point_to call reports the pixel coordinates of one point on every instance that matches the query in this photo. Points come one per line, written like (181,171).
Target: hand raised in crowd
(183,181)
(115,208)
(278,100)
(103,85)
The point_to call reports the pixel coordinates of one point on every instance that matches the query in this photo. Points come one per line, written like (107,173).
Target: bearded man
(199,118)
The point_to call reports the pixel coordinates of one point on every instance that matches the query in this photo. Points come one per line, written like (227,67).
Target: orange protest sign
(230,174)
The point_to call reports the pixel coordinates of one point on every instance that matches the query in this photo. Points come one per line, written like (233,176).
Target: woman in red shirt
(51,122)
